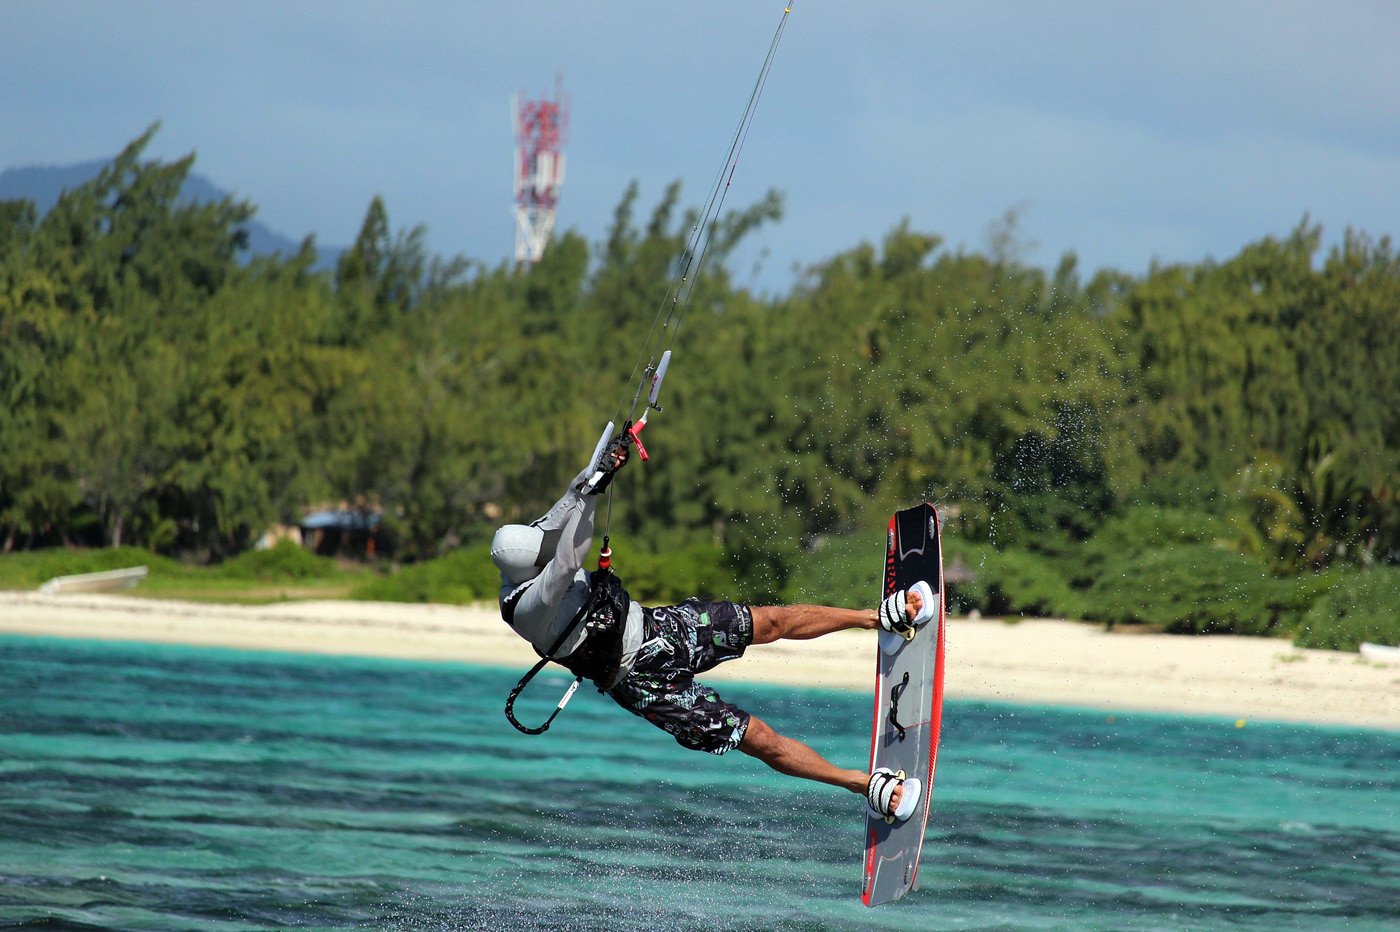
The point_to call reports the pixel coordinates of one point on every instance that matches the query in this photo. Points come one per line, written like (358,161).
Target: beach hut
(347,532)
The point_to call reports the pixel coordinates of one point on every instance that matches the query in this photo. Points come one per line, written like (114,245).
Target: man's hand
(616,454)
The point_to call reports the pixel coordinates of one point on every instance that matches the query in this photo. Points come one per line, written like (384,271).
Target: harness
(605,619)
(604,616)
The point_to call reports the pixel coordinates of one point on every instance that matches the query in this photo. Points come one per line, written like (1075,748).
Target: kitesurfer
(646,658)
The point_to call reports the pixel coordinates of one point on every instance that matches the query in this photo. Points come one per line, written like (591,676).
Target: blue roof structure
(342,520)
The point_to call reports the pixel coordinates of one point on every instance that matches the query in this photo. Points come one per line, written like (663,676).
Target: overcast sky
(1125,132)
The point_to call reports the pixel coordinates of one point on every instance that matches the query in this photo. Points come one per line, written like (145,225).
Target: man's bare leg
(800,622)
(789,756)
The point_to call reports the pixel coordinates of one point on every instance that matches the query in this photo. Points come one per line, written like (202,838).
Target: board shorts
(678,642)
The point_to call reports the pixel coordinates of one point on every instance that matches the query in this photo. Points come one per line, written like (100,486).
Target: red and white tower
(540,126)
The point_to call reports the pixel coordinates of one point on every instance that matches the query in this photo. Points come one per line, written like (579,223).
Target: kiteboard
(908,706)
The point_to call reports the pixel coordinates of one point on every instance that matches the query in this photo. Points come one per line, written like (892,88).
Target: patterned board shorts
(680,641)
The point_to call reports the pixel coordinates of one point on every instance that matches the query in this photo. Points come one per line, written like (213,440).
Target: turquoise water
(146,787)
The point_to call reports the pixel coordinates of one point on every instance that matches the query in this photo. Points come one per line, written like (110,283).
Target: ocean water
(157,787)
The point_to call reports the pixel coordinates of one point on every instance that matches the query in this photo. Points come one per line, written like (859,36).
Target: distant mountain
(43,184)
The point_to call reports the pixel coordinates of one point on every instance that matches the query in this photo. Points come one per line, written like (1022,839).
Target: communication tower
(540,127)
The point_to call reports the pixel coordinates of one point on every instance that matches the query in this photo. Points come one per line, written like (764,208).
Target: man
(646,658)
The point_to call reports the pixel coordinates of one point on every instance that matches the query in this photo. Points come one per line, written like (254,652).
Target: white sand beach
(1030,661)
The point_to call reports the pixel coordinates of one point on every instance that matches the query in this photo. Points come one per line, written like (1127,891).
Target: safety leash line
(677,298)
(682,285)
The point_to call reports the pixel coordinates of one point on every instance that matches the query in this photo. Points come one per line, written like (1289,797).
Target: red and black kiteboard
(908,705)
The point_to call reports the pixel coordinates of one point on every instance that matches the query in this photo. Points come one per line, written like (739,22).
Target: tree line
(163,390)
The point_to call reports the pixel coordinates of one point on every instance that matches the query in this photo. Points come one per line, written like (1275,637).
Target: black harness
(598,658)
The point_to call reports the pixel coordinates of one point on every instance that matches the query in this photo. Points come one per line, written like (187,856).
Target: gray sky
(1122,131)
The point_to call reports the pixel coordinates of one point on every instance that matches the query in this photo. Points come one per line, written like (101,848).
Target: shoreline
(1035,661)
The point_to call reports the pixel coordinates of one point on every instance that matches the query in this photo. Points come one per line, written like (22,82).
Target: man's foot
(907,609)
(903,613)
(892,796)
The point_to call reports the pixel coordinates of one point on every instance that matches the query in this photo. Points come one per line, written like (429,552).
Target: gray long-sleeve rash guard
(553,598)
